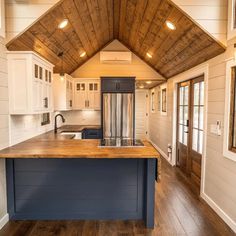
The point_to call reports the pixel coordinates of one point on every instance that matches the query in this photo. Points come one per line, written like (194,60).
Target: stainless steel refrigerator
(118,117)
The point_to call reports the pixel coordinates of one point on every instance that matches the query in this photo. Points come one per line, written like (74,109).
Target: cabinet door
(37,88)
(93,95)
(80,94)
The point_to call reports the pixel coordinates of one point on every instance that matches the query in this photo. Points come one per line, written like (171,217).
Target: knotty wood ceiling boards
(138,24)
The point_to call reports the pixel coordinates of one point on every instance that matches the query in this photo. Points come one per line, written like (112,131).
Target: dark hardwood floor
(178,212)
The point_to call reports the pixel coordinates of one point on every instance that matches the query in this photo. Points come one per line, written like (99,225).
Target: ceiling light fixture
(149,55)
(82,54)
(148,82)
(170,25)
(63,24)
(141,86)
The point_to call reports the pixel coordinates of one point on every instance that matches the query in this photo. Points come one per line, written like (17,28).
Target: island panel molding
(139,25)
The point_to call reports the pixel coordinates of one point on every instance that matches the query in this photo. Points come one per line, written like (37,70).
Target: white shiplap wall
(4,129)
(210,14)
(21,14)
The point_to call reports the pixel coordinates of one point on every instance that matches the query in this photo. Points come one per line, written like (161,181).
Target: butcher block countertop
(50,145)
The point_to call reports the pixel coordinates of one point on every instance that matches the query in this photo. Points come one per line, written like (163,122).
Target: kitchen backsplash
(23,127)
(82,117)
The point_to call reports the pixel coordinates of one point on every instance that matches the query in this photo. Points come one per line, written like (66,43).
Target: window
(232,119)
(198,116)
(229,148)
(231,32)
(153,101)
(159,100)
(163,100)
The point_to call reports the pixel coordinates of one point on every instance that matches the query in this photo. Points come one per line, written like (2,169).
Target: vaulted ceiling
(139,24)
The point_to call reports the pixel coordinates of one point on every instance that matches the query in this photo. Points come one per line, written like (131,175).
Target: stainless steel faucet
(55,122)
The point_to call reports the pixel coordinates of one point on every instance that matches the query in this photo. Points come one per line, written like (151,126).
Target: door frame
(191,74)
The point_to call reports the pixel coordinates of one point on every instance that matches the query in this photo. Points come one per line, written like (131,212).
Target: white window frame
(226,152)
(164,86)
(231,30)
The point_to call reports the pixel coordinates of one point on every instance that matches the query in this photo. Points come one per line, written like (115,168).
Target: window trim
(228,153)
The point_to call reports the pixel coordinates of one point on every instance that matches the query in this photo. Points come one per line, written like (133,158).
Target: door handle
(186,132)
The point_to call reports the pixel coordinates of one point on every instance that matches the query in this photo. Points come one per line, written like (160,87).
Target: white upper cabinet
(30,83)
(63,92)
(87,94)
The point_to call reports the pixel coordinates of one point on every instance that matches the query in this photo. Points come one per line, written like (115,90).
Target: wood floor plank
(178,212)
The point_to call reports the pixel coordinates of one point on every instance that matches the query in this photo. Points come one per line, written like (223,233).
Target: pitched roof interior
(139,24)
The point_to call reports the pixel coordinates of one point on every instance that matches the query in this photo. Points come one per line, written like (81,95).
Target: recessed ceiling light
(149,55)
(148,82)
(141,86)
(63,24)
(170,25)
(82,54)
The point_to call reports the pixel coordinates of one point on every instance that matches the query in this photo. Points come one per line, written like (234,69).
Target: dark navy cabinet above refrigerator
(117,84)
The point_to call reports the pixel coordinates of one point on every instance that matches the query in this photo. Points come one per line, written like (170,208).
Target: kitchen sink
(77,135)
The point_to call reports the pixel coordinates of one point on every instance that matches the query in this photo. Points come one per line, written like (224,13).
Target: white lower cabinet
(62,92)
(30,83)
(87,94)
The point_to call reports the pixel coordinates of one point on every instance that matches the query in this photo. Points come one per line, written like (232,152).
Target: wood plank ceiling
(138,24)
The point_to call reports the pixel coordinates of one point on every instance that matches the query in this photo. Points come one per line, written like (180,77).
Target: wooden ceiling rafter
(138,24)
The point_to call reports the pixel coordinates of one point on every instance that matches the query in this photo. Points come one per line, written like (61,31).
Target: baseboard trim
(4,220)
(161,152)
(230,222)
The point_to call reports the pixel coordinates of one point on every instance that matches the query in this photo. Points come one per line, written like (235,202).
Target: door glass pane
(185,142)
(185,114)
(78,87)
(202,93)
(36,75)
(201,117)
(95,87)
(91,87)
(196,94)
(181,133)
(82,87)
(195,140)
(195,116)
(186,96)
(200,145)
(181,120)
(181,96)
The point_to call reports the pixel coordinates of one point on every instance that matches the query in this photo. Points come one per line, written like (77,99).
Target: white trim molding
(219,211)
(226,152)
(163,154)
(4,220)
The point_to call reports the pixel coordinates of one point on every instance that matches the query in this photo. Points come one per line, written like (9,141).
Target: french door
(190,127)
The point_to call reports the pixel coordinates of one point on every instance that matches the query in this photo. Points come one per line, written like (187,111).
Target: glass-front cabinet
(87,94)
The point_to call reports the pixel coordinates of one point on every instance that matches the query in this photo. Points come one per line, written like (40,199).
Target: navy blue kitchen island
(97,187)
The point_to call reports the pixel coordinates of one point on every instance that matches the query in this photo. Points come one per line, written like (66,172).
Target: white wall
(211,15)
(4,133)
(21,14)
(94,69)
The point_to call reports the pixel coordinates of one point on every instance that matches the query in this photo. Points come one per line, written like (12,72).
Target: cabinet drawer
(118,85)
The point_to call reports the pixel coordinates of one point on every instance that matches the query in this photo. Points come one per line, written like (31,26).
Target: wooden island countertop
(50,145)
